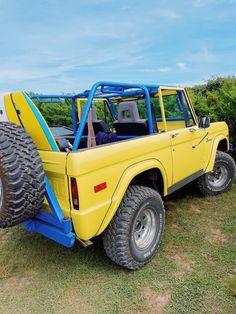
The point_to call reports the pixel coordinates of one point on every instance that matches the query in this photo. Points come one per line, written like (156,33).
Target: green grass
(193,272)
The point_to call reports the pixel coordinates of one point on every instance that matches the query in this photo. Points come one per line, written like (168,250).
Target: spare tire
(22,177)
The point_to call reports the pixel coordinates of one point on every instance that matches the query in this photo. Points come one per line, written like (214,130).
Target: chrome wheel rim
(145,228)
(1,193)
(218,176)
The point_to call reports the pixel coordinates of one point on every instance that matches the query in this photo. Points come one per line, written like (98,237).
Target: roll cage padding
(98,125)
(94,112)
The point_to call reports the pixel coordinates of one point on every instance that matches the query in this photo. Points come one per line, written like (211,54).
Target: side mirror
(204,122)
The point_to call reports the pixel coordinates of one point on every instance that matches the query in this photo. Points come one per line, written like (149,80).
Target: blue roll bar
(101,90)
(89,102)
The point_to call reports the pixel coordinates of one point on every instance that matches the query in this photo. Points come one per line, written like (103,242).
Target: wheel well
(151,178)
(223,145)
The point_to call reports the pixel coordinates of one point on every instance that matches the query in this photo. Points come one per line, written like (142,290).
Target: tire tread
(23,173)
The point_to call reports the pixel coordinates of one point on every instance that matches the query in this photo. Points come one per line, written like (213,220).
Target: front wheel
(134,234)
(221,178)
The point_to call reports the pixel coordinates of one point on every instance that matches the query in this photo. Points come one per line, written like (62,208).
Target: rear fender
(128,175)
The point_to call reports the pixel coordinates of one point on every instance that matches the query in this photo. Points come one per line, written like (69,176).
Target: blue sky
(57,45)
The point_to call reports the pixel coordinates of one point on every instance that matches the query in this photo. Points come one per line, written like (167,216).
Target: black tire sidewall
(158,210)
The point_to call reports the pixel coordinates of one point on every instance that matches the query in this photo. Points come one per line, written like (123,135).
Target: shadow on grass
(188,191)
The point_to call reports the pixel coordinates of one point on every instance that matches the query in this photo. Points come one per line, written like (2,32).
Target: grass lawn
(193,272)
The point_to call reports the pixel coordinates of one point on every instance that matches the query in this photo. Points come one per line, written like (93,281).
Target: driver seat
(129,122)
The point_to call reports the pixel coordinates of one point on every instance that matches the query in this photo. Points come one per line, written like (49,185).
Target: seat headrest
(94,113)
(131,108)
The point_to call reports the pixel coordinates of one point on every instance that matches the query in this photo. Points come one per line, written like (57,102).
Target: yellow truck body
(177,155)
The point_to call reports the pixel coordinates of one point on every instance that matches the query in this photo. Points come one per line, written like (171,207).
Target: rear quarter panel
(116,165)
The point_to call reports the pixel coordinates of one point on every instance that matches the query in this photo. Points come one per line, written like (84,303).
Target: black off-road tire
(22,177)
(209,185)
(121,238)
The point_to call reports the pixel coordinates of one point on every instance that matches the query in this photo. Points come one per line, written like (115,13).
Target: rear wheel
(220,178)
(134,234)
(22,184)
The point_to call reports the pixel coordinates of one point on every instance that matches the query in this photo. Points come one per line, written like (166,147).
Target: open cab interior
(110,113)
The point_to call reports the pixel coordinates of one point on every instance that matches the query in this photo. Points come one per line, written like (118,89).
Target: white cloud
(167,69)
(204,55)
(187,83)
(207,56)
(153,70)
(181,65)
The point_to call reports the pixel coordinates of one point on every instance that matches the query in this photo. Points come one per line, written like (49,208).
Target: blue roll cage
(107,90)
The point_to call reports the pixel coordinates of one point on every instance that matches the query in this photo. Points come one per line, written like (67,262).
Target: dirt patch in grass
(170,250)
(183,261)
(175,227)
(13,283)
(216,237)
(156,302)
(5,237)
(183,264)
(195,209)
(76,302)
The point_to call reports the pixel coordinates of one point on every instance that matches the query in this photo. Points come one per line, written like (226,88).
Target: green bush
(217,99)
(56,113)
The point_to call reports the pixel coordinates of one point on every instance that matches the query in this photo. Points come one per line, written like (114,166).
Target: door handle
(192,130)
(173,135)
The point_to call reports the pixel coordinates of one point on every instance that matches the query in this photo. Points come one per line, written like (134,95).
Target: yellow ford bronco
(128,146)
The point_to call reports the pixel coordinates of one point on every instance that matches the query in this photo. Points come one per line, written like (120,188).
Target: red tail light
(74,193)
